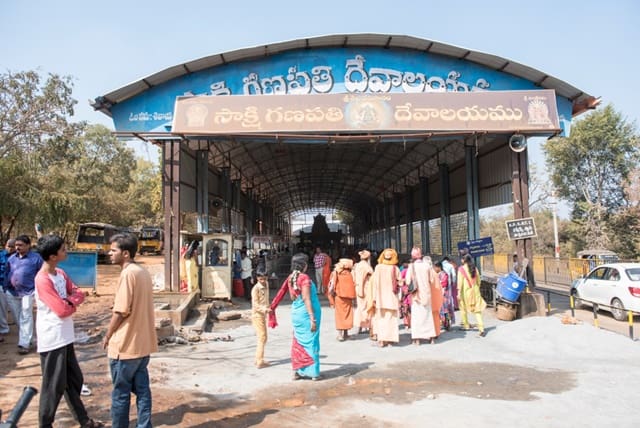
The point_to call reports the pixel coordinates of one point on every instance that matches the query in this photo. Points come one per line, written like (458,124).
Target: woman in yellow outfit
(469,297)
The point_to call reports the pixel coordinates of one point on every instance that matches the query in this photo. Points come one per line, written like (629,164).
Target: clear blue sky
(590,44)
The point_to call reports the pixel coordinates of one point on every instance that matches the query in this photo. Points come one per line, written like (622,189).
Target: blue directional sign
(82,268)
(477,248)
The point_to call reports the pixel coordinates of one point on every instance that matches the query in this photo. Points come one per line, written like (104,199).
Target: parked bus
(95,237)
(150,240)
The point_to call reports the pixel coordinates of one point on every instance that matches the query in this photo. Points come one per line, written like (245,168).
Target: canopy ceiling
(348,173)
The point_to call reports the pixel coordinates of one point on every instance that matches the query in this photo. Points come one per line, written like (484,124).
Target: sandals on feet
(85,390)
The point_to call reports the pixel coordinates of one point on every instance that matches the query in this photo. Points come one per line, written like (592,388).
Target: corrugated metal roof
(581,100)
(350,172)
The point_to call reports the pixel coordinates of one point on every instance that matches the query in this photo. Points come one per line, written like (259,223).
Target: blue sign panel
(476,248)
(320,71)
(82,268)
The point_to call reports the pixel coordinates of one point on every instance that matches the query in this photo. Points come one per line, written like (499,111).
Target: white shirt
(53,332)
(245,265)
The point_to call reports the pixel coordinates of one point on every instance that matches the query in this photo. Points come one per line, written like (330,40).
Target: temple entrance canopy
(391,129)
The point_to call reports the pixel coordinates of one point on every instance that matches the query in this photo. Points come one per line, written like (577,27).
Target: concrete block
(165,331)
(531,305)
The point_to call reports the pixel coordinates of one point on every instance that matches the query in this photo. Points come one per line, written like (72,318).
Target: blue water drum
(510,286)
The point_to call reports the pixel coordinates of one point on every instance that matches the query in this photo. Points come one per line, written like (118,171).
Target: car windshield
(633,274)
(598,273)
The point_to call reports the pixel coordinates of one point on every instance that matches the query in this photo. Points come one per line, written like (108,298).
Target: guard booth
(217,262)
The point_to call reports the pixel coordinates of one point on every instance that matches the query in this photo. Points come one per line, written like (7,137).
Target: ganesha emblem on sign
(196,115)
(538,112)
(367,113)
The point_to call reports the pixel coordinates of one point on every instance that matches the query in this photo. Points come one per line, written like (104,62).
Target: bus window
(95,237)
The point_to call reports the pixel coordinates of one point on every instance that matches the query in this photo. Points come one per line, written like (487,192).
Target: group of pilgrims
(421,293)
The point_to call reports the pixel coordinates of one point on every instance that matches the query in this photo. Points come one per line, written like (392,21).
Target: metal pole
(555,226)
(573,306)
(630,324)
(596,323)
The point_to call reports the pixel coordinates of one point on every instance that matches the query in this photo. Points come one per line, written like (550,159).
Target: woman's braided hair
(298,264)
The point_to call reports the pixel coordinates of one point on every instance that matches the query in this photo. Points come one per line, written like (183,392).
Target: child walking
(259,311)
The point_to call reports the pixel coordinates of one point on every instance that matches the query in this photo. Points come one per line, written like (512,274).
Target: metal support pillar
(387,222)
(473,202)
(171,204)
(408,195)
(249,219)
(520,189)
(225,190)
(445,209)
(397,221)
(424,214)
(202,191)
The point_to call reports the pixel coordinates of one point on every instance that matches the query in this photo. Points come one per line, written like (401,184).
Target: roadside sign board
(521,228)
(477,248)
(82,268)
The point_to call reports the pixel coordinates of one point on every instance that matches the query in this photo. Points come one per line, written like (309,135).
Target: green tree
(587,170)
(144,196)
(33,111)
(79,179)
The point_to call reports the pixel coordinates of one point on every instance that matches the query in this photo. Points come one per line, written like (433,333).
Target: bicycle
(12,422)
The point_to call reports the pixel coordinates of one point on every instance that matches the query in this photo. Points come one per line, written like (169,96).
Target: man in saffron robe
(386,280)
(343,292)
(362,277)
(422,326)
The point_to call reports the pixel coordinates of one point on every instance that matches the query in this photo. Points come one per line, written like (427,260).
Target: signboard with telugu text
(437,111)
(522,228)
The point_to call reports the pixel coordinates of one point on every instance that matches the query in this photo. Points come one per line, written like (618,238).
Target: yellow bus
(150,240)
(95,237)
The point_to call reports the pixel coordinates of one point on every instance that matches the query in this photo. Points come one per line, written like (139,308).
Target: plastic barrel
(510,286)
(238,288)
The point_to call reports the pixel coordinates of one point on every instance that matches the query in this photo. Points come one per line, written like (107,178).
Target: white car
(614,287)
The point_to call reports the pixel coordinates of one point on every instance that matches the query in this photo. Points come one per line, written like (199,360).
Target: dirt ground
(521,368)
(91,320)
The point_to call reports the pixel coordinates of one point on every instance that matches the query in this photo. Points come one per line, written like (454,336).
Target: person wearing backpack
(343,290)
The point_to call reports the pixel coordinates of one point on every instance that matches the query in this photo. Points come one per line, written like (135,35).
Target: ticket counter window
(217,253)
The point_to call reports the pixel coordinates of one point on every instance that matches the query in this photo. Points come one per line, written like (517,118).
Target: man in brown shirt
(131,336)
(259,310)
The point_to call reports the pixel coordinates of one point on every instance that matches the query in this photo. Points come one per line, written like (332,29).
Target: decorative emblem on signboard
(367,112)
(196,115)
(538,111)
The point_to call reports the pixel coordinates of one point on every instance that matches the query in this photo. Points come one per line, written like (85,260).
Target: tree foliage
(589,170)
(59,173)
(32,111)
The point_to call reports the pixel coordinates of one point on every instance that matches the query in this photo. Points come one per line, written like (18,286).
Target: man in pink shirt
(57,299)
(319,260)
